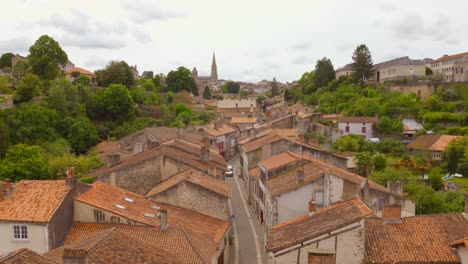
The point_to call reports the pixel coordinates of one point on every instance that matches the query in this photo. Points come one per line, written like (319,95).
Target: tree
(45,58)
(380,162)
(116,72)
(64,98)
(364,163)
(362,64)
(243,94)
(180,80)
(29,87)
(207,93)
(274,87)
(454,153)
(148,85)
(23,162)
(347,143)
(323,73)
(118,102)
(83,135)
(232,87)
(5,60)
(428,71)
(385,125)
(20,69)
(4,139)
(436,179)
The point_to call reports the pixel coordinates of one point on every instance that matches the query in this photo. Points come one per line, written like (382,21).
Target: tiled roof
(431,142)
(347,67)
(358,119)
(223,130)
(195,177)
(243,120)
(332,116)
(451,57)
(278,160)
(303,228)
(33,201)
(24,256)
(398,61)
(271,136)
(81,71)
(106,196)
(417,239)
(115,246)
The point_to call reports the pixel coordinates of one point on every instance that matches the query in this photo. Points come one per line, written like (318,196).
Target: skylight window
(128,199)
(155,207)
(149,215)
(120,206)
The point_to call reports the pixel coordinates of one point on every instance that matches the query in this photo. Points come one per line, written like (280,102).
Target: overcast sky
(253,39)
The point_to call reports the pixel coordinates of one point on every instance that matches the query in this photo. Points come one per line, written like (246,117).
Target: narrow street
(248,233)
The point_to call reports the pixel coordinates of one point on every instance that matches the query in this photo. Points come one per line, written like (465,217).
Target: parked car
(229,171)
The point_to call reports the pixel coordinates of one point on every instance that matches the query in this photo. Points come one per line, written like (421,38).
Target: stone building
(445,65)
(203,81)
(460,70)
(398,69)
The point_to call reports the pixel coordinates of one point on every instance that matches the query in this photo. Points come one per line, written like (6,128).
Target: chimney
(163,219)
(391,212)
(466,203)
(112,159)
(74,256)
(312,207)
(138,148)
(299,176)
(395,187)
(70,180)
(205,150)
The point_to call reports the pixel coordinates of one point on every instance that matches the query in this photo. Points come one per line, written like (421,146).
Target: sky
(253,39)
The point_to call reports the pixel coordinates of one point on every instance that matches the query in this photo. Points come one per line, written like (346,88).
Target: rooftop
(450,57)
(194,177)
(270,136)
(243,120)
(278,160)
(347,67)
(306,227)
(107,197)
(398,61)
(81,71)
(115,246)
(358,119)
(24,255)
(431,142)
(33,201)
(417,239)
(223,129)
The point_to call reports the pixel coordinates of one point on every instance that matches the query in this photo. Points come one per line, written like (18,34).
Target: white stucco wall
(37,238)
(85,213)
(463,252)
(356,128)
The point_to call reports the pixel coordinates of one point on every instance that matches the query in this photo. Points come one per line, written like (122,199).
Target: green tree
(181,80)
(323,73)
(83,135)
(148,85)
(454,153)
(207,93)
(20,69)
(23,162)
(380,162)
(274,87)
(118,102)
(29,87)
(116,72)
(45,58)
(364,163)
(4,139)
(436,179)
(232,87)
(347,143)
(362,64)
(385,125)
(243,94)
(63,97)
(5,60)
(428,71)
(147,74)
(82,80)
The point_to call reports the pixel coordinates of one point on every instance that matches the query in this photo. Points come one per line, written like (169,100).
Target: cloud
(147,11)
(15,45)
(96,63)
(141,36)
(411,26)
(302,60)
(76,22)
(300,46)
(93,41)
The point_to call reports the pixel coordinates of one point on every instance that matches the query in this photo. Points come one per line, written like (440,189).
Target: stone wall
(424,90)
(193,197)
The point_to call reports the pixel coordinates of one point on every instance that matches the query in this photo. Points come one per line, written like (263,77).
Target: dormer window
(128,199)
(20,232)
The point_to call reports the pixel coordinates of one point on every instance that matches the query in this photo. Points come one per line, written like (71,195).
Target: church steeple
(214,69)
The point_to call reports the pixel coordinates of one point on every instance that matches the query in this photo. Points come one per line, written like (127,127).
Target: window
(436,155)
(20,232)
(347,129)
(363,130)
(99,216)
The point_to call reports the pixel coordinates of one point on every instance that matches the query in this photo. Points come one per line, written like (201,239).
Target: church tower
(214,69)
(194,72)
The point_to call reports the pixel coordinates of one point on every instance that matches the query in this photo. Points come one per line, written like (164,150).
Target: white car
(229,172)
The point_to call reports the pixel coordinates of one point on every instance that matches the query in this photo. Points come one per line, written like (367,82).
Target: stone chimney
(466,203)
(391,212)
(395,187)
(312,206)
(74,256)
(299,176)
(163,219)
(70,180)
(205,150)
(112,159)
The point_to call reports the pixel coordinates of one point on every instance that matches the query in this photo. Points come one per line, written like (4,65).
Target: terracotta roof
(463,242)
(347,67)
(417,239)
(223,130)
(81,71)
(107,147)
(278,160)
(348,154)
(431,142)
(115,246)
(24,256)
(332,116)
(195,177)
(450,57)
(106,197)
(358,119)
(189,247)
(303,228)
(271,136)
(243,120)
(33,201)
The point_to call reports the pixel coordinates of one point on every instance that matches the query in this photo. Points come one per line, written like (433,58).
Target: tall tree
(323,73)
(23,162)
(362,64)
(45,58)
(20,69)
(232,87)
(118,102)
(180,80)
(29,87)
(116,72)
(207,93)
(274,87)
(63,97)
(83,135)
(5,60)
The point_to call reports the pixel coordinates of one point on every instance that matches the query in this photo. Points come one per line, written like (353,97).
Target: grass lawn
(461,182)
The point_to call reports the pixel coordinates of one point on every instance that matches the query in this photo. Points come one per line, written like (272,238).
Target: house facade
(222,136)
(358,125)
(398,69)
(444,66)
(430,147)
(460,70)
(344,71)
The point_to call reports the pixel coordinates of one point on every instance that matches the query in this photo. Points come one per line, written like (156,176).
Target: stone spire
(214,69)
(194,72)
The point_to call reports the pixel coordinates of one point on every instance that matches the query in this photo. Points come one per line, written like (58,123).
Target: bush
(380,162)
(88,180)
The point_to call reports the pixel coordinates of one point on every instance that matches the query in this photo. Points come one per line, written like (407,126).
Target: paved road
(247,231)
